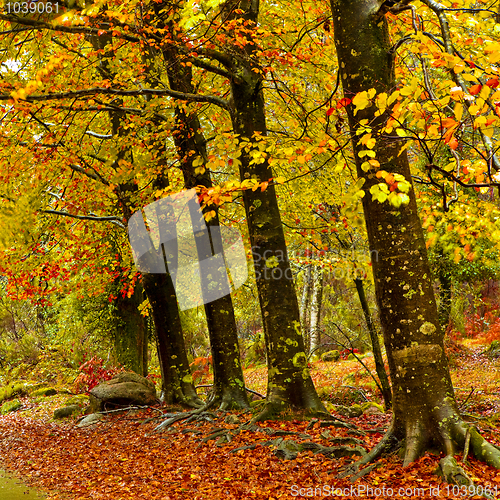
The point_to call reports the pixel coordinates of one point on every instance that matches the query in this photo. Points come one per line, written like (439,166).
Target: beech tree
(425,409)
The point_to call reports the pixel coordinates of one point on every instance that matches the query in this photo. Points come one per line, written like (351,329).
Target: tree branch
(24,21)
(218,101)
(114,220)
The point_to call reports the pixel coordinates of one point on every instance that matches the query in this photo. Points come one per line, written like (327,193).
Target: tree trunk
(444,277)
(304,306)
(377,351)
(425,411)
(229,388)
(317,296)
(289,381)
(130,336)
(177,382)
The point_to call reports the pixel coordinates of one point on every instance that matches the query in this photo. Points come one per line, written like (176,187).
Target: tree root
(281,410)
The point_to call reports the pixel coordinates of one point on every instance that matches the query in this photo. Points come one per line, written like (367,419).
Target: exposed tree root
(281,410)
(454,433)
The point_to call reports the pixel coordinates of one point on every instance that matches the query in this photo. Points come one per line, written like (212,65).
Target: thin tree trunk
(317,296)
(377,351)
(425,410)
(304,306)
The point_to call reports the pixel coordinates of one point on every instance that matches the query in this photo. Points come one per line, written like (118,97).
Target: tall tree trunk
(317,297)
(377,351)
(289,380)
(304,306)
(425,410)
(229,387)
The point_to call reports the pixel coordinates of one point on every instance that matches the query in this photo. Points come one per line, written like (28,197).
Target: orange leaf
(475,89)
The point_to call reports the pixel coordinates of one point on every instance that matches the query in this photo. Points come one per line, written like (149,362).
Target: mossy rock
(11,390)
(44,391)
(349,411)
(66,411)
(330,356)
(78,399)
(9,406)
(372,408)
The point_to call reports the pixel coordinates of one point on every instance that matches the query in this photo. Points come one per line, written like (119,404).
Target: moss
(330,356)
(45,391)
(9,406)
(370,404)
(11,390)
(79,399)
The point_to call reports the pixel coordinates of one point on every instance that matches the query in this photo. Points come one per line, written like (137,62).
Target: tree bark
(377,351)
(304,306)
(130,335)
(177,382)
(289,380)
(317,297)
(228,389)
(425,411)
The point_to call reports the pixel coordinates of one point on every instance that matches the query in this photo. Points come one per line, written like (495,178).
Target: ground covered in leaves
(121,457)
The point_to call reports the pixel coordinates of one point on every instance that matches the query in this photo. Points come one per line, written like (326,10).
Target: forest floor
(122,458)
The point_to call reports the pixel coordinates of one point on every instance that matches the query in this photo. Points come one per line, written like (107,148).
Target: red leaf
(330,112)
(343,102)
(475,89)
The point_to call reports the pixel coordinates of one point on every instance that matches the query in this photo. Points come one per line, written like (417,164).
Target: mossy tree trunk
(289,381)
(130,332)
(177,382)
(425,410)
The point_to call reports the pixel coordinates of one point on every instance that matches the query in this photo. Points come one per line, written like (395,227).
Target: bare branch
(114,220)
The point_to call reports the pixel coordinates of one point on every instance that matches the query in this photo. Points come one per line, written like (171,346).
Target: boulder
(66,411)
(91,419)
(126,389)
(330,356)
(353,411)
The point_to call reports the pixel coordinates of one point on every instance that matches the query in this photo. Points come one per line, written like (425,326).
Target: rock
(9,406)
(372,408)
(330,356)
(44,391)
(126,389)
(232,420)
(349,411)
(91,419)
(66,411)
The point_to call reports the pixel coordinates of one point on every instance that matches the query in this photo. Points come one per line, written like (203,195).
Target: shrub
(92,373)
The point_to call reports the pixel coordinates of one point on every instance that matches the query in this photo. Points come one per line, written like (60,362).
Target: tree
(425,410)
